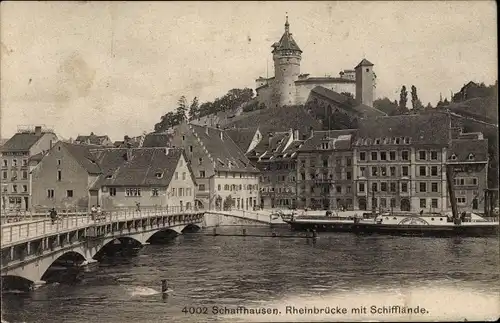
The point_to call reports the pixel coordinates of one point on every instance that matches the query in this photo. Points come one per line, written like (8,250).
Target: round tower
(286,56)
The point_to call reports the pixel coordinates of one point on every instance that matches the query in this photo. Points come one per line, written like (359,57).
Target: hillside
(484,109)
(282,119)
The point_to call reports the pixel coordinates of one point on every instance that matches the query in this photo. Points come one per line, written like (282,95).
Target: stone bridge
(31,247)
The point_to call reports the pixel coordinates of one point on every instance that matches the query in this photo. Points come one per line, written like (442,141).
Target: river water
(451,278)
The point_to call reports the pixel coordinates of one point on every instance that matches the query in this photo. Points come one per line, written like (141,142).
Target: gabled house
(224,175)
(152,177)
(93,139)
(63,176)
(17,162)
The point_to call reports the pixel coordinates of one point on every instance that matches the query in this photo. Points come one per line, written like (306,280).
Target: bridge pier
(37,284)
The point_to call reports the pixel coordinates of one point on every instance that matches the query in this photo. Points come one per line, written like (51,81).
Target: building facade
(150,177)
(325,171)
(16,165)
(63,177)
(224,175)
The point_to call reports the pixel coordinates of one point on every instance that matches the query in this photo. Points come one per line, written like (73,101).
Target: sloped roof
(368,111)
(92,139)
(431,129)
(272,143)
(325,80)
(21,141)
(341,139)
(331,95)
(286,42)
(224,151)
(109,158)
(157,140)
(242,137)
(142,168)
(364,62)
(461,148)
(83,155)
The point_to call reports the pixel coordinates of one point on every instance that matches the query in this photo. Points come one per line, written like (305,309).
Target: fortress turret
(287,56)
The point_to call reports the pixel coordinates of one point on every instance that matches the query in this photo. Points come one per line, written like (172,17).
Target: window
(374,155)
(348,189)
(405,155)
(154,192)
(404,170)
(361,187)
(392,155)
(226,187)
(201,187)
(434,171)
(130,192)
(470,157)
(183,175)
(434,203)
(374,171)
(393,202)
(181,191)
(421,154)
(58,162)
(14,188)
(202,173)
(173,191)
(461,200)
(404,187)
(338,189)
(183,137)
(362,171)
(383,171)
(4,175)
(374,187)
(474,204)
(200,161)
(434,187)
(392,170)
(14,162)
(383,202)
(362,155)
(325,162)
(348,161)
(453,157)
(383,187)
(423,203)
(159,174)
(423,187)
(5,163)
(59,175)
(69,193)
(218,187)
(422,170)
(176,175)
(383,155)
(348,175)
(434,155)
(25,162)
(338,161)
(393,187)
(25,188)
(112,191)
(50,194)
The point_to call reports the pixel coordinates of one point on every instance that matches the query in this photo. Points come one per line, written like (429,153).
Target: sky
(116,67)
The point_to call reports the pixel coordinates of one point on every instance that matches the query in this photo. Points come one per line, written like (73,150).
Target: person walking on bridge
(53,215)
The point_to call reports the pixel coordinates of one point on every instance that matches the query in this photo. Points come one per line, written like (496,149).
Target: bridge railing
(27,229)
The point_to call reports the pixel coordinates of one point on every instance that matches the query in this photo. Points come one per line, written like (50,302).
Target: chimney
(311,131)
(221,135)
(270,135)
(38,130)
(166,151)
(296,135)
(206,129)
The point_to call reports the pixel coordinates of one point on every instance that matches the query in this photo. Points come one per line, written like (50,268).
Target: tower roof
(364,62)
(286,42)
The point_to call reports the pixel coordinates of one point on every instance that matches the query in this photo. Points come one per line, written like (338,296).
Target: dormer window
(109,176)
(159,174)
(397,141)
(453,157)
(407,140)
(377,141)
(471,156)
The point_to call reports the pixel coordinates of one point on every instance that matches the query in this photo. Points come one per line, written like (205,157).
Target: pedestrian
(99,211)
(53,215)
(138,206)
(93,212)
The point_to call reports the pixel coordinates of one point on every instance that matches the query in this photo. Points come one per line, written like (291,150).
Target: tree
(228,202)
(386,105)
(429,106)
(181,109)
(403,99)
(194,109)
(415,101)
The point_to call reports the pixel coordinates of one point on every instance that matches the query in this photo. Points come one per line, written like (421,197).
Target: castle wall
(264,94)
(287,70)
(303,89)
